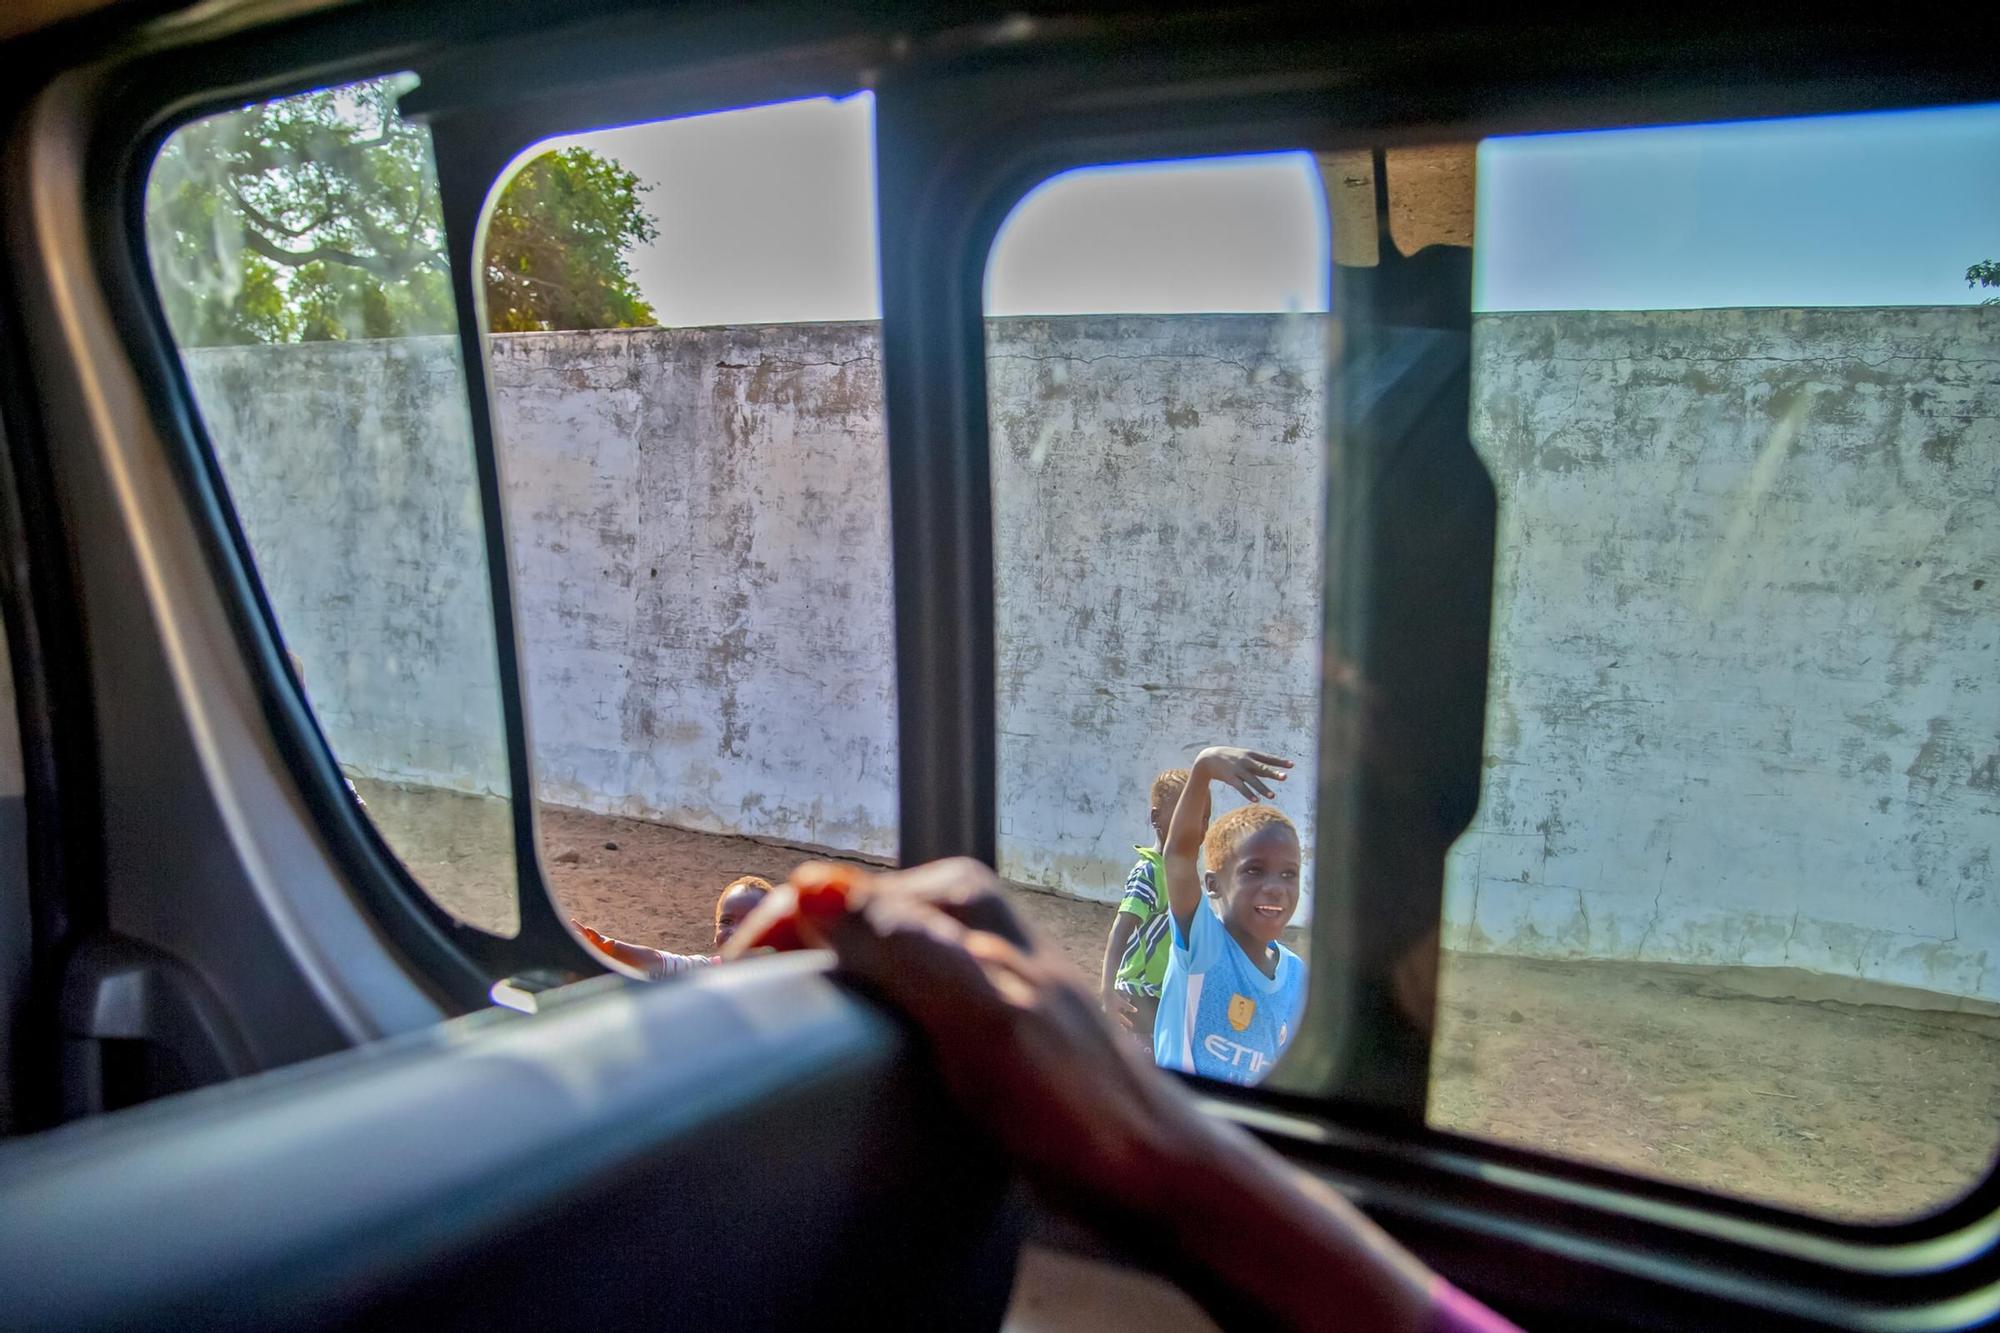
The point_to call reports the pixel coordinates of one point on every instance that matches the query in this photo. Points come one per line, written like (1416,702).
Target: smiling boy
(1233,993)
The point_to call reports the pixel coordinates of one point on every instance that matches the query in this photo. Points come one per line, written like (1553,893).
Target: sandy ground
(1866,1110)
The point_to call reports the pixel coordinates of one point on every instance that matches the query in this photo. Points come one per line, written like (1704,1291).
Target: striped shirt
(1143,966)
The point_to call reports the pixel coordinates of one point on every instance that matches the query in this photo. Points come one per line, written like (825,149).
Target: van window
(1156,352)
(687,393)
(298,252)
(1727,915)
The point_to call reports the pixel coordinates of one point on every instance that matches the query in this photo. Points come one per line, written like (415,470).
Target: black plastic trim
(57,735)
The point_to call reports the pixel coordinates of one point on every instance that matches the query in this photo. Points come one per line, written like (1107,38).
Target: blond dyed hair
(1167,788)
(757,882)
(1228,833)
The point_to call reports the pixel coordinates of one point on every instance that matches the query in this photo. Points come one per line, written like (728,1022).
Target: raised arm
(1250,773)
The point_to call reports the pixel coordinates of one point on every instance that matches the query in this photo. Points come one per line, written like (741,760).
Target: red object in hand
(818,891)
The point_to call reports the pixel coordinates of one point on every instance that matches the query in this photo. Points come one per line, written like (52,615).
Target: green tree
(556,247)
(316,217)
(1986,273)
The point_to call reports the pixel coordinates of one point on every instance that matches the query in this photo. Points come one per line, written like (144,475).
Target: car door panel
(751,1149)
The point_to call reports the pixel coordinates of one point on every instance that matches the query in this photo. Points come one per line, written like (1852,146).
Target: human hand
(1249,771)
(1121,1010)
(1018,1038)
(1016,1033)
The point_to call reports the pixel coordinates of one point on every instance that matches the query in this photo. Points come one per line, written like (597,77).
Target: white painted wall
(1744,707)
(701,542)
(1746,695)
(1156,494)
(350,465)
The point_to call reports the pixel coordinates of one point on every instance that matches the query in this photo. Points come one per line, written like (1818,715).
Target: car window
(1156,354)
(298,253)
(1727,914)
(687,393)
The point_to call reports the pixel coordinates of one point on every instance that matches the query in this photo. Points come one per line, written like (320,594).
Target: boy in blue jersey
(1233,994)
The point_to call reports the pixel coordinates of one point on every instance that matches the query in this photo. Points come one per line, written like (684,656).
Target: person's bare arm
(1123,926)
(1094,1126)
(1249,773)
(1259,1244)
(632,955)
(655,963)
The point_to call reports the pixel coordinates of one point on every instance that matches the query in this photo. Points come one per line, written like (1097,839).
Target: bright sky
(1884,209)
(768,215)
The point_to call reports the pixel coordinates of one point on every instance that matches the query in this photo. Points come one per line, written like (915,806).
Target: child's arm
(1123,926)
(1246,770)
(655,963)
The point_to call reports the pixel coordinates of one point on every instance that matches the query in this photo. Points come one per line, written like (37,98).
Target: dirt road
(1869,1111)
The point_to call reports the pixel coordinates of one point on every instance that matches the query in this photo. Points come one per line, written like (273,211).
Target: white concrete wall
(702,556)
(1156,495)
(1745,704)
(1744,707)
(701,542)
(350,465)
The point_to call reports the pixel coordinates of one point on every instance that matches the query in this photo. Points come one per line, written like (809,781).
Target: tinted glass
(1727,914)
(299,254)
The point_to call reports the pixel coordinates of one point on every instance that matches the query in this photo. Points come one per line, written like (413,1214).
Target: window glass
(688,396)
(1727,914)
(299,254)
(1156,348)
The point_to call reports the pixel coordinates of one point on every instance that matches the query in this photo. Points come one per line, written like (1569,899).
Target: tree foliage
(1986,273)
(556,246)
(316,217)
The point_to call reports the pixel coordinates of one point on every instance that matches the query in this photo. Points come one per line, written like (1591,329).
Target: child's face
(1160,818)
(1259,889)
(729,913)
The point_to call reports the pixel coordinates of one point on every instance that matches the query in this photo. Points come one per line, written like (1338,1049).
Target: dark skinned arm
(1123,926)
(1024,1051)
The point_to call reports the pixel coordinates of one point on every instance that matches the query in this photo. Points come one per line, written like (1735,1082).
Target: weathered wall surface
(350,465)
(1744,706)
(701,543)
(702,553)
(1156,497)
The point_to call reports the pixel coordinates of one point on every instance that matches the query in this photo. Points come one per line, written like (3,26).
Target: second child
(736,901)
(1135,955)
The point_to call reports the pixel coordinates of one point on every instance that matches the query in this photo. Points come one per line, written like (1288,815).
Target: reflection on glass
(299,254)
(1727,913)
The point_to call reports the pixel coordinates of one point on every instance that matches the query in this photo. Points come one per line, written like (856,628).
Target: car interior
(263,1067)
